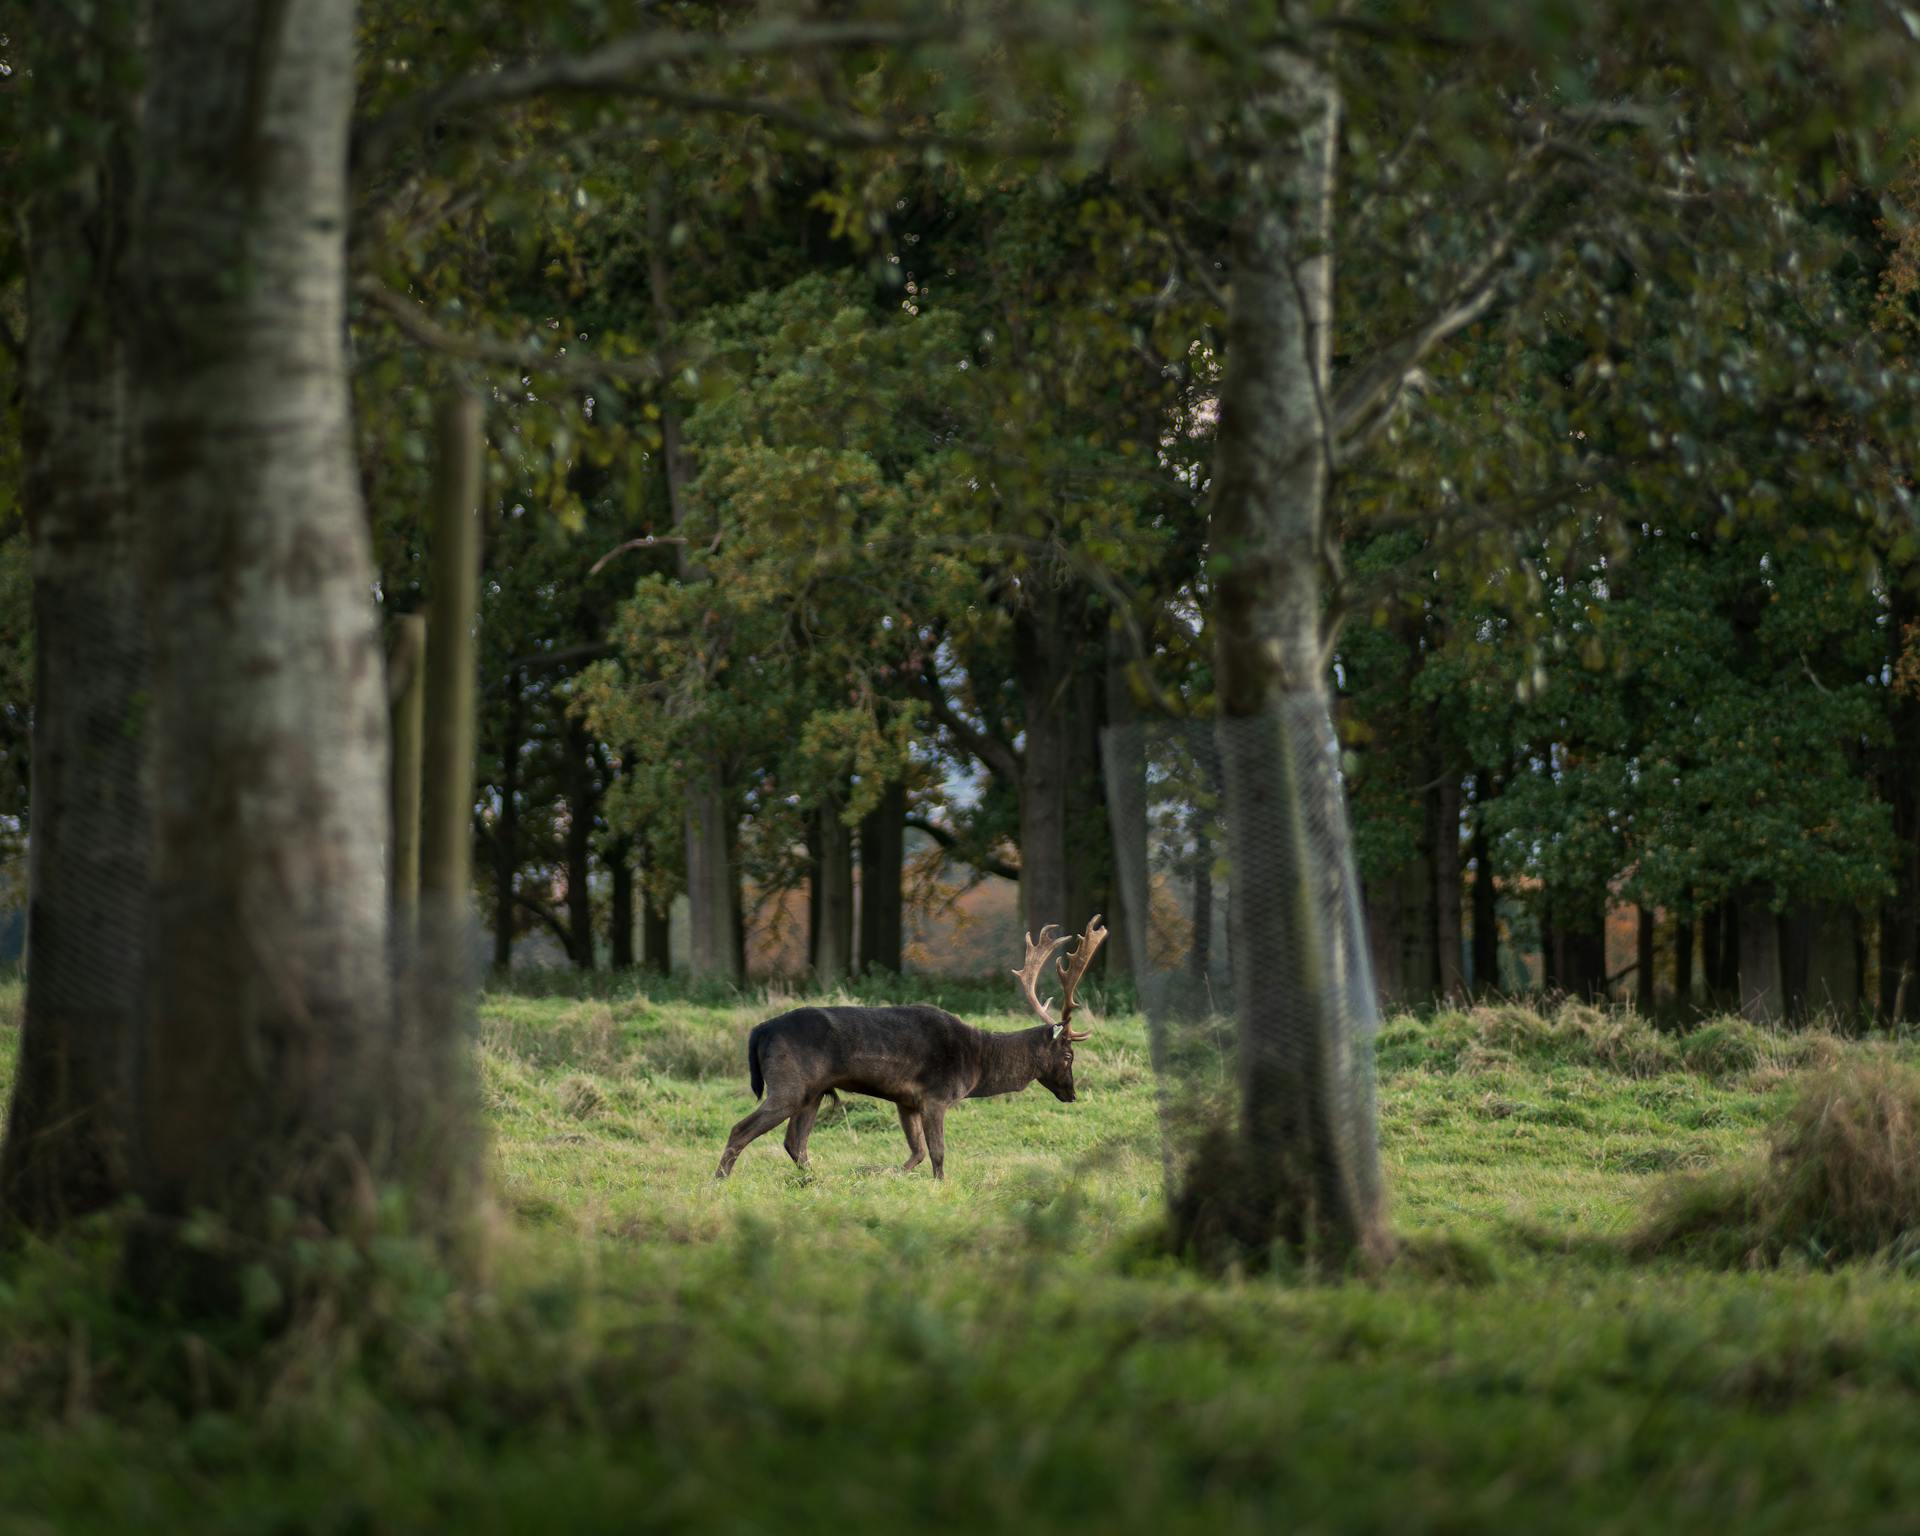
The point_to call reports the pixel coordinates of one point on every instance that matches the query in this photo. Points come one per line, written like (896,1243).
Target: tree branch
(646,541)
(620,65)
(410,319)
(1000,759)
(547,915)
(1364,400)
(951,843)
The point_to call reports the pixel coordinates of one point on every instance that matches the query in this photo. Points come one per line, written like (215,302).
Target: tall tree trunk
(1900,786)
(1730,954)
(1309,1140)
(407,701)
(713,890)
(1550,953)
(1486,916)
(581,813)
(1200,955)
(1045,668)
(506,830)
(65,1152)
(882,849)
(274,1069)
(1089,841)
(1580,933)
(656,938)
(1123,752)
(812,839)
(453,593)
(1683,932)
(1444,836)
(833,910)
(1758,976)
(1643,990)
(716,946)
(619,860)
(1820,964)
(1713,956)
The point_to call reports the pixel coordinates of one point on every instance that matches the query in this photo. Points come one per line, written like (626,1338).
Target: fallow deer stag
(921,1058)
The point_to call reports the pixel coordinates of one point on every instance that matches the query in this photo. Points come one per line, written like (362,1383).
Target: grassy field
(854,1348)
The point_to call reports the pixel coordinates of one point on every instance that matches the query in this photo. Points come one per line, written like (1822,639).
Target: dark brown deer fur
(919,1057)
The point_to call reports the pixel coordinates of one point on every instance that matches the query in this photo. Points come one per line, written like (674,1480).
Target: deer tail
(754,1074)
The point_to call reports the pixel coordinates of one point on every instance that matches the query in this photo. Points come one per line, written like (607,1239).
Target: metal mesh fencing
(1242,904)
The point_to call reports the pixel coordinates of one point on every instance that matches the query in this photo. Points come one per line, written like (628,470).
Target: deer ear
(1056,1031)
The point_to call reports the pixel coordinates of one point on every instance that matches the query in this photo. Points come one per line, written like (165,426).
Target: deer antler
(1037,957)
(1073,965)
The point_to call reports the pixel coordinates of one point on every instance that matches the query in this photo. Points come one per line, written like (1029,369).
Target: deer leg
(916,1138)
(934,1117)
(762,1120)
(800,1128)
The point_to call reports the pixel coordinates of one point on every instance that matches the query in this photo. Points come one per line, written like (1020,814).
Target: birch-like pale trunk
(1309,1148)
(65,1152)
(275,1063)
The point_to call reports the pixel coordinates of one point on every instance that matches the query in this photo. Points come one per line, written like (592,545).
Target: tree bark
(581,813)
(1683,932)
(276,1067)
(656,939)
(1580,934)
(1713,956)
(1900,785)
(506,830)
(1044,669)
(716,946)
(1309,1146)
(1444,839)
(713,891)
(833,912)
(453,595)
(1123,752)
(65,1152)
(407,694)
(1758,976)
(1486,916)
(1200,955)
(1551,953)
(1820,964)
(882,908)
(619,860)
(1643,989)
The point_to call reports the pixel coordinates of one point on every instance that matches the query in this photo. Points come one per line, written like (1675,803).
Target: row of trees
(879,405)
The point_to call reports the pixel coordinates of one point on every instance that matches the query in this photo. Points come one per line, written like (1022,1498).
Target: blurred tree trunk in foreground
(277,1067)
(1309,1154)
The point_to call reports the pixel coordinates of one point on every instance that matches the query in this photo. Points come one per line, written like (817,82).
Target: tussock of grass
(1727,1047)
(1840,1178)
(1494,1036)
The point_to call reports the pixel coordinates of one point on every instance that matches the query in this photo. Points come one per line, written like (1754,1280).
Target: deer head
(1057,1070)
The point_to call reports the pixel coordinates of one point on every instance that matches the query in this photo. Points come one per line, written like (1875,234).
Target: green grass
(853,1348)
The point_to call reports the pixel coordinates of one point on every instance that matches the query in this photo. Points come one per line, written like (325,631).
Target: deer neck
(1010,1061)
